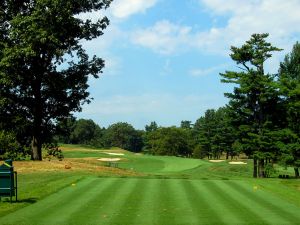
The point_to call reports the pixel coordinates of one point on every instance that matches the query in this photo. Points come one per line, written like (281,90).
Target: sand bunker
(216,160)
(109,159)
(113,153)
(237,163)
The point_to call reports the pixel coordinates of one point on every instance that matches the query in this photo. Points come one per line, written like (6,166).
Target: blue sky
(163,57)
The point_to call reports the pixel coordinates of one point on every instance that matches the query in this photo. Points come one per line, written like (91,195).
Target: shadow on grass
(26,200)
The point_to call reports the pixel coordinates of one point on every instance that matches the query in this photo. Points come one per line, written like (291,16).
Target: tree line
(44,72)
(261,119)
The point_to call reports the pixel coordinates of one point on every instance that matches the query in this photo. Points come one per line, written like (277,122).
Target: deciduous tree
(43,67)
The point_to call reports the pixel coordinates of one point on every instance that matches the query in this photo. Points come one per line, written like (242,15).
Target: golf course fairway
(147,190)
(95,200)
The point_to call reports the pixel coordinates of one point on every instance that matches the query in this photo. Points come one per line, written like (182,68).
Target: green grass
(159,164)
(34,187)
(171,190)
(158,201)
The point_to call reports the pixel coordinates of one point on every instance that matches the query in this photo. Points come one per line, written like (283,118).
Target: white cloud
(277,17)
(164,37)
(125,8)
(203,72)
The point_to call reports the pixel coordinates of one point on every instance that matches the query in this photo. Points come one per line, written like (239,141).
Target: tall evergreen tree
(254,96)
(36,38)
(205,128)
(289,80)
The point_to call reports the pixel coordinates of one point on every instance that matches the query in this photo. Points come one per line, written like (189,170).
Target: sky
(163,57)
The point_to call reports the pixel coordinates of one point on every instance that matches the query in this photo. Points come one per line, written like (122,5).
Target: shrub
(53,151)
(269,170)
(10,148)
(199,152)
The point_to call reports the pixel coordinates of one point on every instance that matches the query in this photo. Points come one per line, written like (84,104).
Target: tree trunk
(36,147)
(296,169)
(227,155)
(36,143)
(261,168)
(254,167)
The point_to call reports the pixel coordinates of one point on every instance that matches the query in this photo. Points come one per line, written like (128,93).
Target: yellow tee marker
(255,188)
(73,184)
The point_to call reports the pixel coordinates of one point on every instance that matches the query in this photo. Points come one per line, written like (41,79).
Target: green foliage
(186,124)
(123,135)
(53,151)
(152,127)
(43,67)
(255,99)
(214,133)
(64,128)
(86,132)
(289,83)
(10,148)
(269,170)
(82,131)
(199,152)
(169,141)
(8,142)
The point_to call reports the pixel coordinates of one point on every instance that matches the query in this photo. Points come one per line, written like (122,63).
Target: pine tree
(289,80)
(254,97)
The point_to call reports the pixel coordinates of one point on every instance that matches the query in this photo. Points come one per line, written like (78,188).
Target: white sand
(109,159)
(237,163)
(113,153)
(216,160)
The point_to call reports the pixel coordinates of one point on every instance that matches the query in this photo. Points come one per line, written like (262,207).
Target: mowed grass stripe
(177,208)
(32,214)
(222,209)
(229,209)
(162,206)
(185,211)
(146,211)
(196,194)
(63,213)
(101,208)
(275,210)
(129,209)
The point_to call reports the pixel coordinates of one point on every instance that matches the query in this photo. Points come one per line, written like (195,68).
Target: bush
(199,152)
(269,170)
(53,151)
(10,148)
